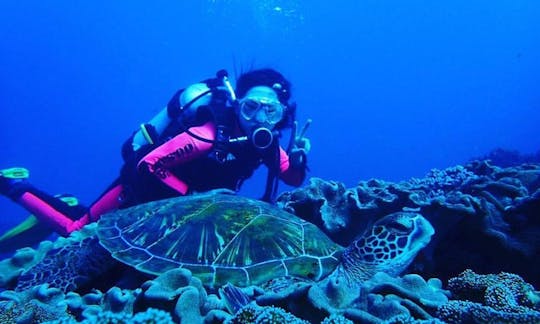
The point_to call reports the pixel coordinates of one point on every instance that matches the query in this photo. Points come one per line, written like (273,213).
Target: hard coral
(446,179)
(501,298)
(150,316)
(253,313)
(470,312)
(35,305)
(500,291)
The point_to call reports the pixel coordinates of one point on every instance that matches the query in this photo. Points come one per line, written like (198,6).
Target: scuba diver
(209,136)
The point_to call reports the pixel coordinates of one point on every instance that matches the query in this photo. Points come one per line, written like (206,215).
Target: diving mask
(262,110)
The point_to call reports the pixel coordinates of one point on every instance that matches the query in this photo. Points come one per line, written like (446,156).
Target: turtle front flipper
(389,246)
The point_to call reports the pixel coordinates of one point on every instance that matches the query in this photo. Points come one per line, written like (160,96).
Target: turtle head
(389,246)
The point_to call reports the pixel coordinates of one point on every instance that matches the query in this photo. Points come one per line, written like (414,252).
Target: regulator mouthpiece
(262,138)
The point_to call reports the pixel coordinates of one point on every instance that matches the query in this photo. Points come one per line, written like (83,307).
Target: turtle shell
(220,238)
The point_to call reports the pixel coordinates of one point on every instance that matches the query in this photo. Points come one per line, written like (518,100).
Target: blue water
(393,89)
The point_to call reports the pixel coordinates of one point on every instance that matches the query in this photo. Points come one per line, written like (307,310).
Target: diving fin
(25,225)
(14,173)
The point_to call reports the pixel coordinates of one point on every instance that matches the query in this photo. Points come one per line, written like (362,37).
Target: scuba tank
(217,97)
(189,100)
(184,111)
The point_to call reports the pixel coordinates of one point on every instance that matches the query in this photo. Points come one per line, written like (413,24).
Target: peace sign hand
(301,147)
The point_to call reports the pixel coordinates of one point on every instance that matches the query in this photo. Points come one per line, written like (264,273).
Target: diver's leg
(35,202)
(47,208)
(111,199)
(63,218)
(43,206)
(31,231)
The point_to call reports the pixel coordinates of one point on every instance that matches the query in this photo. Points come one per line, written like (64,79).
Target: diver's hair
(264,77)
(270,78)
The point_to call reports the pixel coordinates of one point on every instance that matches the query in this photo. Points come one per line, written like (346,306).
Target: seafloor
(481,265)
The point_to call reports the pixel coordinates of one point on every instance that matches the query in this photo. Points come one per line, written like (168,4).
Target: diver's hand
(302,143)
(298,154)
(300,149)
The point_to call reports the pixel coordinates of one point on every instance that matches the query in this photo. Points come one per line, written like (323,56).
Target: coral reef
(503,291)
(150,316)
(501,298)
(484,216)
(253,313)
(381,298)
(176,294)
(35,305)
(506,158)
(493,298)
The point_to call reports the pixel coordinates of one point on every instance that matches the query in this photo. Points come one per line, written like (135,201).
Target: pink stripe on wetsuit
(184,148)
(63,224)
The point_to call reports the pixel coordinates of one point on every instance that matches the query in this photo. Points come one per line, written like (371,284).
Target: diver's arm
(292,172)
(180,149)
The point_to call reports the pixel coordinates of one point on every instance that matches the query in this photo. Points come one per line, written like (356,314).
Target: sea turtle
(224,238)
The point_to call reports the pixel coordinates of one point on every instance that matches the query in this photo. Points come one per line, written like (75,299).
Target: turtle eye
(398,227)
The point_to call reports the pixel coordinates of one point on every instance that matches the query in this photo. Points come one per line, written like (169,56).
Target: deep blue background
(394,89)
